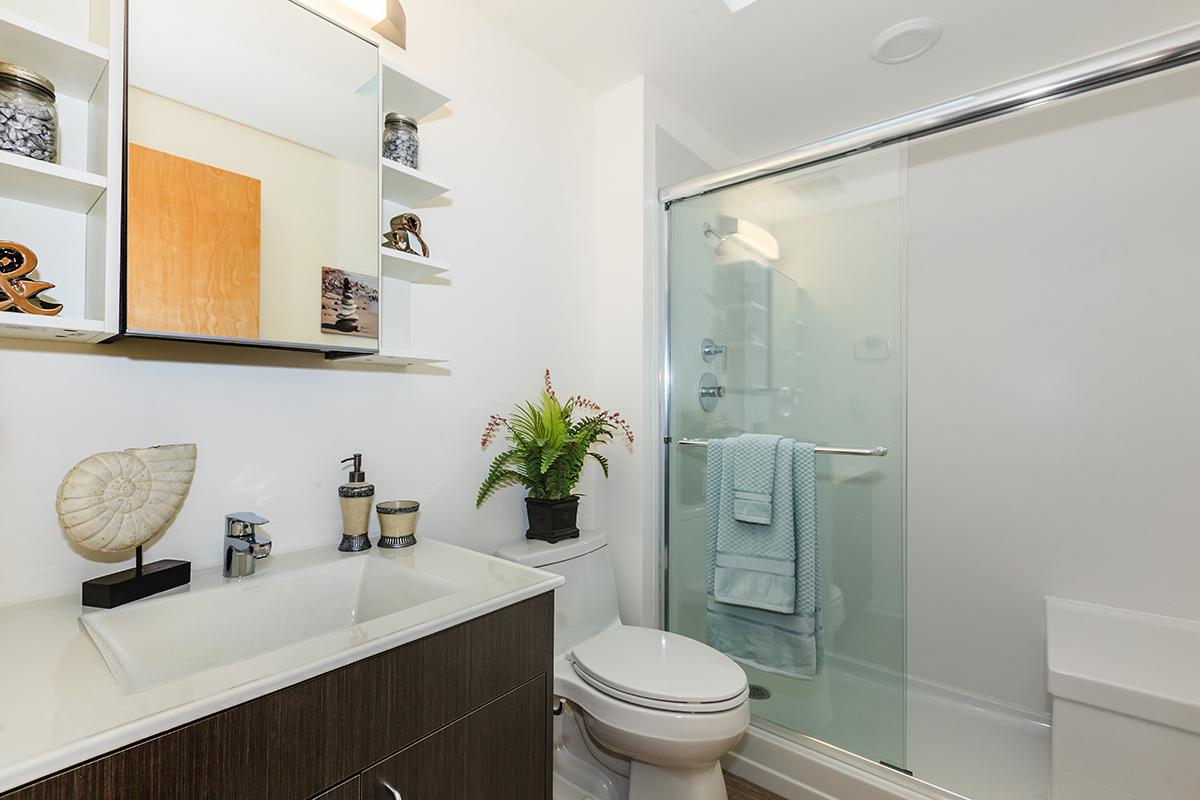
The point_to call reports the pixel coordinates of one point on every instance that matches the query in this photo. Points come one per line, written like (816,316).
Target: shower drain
(759,692)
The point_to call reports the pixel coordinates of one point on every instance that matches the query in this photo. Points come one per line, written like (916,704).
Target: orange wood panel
(193,258)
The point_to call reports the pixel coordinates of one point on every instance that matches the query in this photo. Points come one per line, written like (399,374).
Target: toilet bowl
(659,709)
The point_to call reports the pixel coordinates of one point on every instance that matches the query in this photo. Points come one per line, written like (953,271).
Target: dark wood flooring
(739,789)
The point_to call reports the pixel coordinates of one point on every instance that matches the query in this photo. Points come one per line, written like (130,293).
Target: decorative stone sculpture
(118,501)
(402,227)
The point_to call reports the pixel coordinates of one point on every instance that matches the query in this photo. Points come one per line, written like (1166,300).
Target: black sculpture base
(119,588)
(354,543)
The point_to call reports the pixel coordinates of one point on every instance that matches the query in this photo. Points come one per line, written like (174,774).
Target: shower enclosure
(941,307)
(786,318)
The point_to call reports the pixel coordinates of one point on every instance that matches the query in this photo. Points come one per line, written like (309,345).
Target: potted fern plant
(547,449)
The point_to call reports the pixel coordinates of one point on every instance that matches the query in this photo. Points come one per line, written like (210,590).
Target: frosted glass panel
(796,280)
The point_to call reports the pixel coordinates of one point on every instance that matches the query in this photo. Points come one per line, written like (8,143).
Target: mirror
(253,176)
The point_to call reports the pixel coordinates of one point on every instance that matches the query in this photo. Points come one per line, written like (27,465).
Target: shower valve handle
(709,350)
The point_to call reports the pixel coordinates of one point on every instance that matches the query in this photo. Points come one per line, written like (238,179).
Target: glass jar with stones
(401,142)
(28,116)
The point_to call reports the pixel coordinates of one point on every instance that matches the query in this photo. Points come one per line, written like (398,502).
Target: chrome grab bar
(877,452)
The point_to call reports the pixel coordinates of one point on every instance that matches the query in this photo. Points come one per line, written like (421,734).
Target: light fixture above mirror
(387,18)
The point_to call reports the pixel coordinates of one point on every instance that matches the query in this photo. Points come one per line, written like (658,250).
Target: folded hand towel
(754,477)
(788,638)
(755,565)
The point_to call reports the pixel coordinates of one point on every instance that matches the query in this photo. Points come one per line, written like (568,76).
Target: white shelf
(399,359)
(74,66)
(405,93)
(407,267)
(34,326)
(32,181)
(408,187)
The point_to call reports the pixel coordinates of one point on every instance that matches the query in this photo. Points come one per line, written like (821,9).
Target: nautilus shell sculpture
(117,501)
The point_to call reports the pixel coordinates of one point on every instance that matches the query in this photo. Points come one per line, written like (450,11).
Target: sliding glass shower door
(786,317)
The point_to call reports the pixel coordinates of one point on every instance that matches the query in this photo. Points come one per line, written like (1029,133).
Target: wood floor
(739,789)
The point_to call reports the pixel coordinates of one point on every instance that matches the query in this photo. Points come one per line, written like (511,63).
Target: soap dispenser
(355,496)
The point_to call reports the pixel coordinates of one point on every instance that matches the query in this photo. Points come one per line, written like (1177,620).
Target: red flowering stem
(489,433)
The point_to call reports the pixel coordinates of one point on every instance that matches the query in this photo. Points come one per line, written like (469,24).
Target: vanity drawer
(500,752)
(302,740)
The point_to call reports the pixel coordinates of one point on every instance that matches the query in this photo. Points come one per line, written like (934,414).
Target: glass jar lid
(401,119)
(27,77)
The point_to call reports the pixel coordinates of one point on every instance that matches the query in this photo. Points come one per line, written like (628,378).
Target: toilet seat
(659,670)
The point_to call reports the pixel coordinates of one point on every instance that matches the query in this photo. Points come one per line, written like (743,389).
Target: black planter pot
(552,520)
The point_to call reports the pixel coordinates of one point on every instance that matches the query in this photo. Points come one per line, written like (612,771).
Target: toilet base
(650,782)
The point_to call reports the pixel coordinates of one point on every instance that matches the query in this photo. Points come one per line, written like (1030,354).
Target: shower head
(732,232)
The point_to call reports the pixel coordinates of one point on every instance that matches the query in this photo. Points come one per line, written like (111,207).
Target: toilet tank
(587,603)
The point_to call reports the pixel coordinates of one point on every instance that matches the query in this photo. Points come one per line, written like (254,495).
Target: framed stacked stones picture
(349,303)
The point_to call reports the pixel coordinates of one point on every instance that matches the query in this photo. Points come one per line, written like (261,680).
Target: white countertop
(60,705)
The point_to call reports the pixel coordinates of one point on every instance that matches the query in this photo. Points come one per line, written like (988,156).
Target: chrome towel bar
(877,452)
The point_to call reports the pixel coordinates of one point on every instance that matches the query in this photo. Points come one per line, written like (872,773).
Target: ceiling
(780,73)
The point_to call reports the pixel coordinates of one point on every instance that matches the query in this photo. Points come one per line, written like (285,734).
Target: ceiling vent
(906,41)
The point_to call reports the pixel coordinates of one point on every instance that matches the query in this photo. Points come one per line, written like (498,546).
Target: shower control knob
(710,391)
(709,350)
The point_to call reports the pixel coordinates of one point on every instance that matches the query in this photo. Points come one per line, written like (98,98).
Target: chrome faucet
(244,544)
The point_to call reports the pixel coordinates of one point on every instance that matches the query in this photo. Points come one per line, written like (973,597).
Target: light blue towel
(755,564)
(754,462)
(745,627)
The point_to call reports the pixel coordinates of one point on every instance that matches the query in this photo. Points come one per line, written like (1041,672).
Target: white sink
(172,637)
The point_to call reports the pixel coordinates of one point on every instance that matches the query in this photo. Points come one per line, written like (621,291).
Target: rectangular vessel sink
(221,622)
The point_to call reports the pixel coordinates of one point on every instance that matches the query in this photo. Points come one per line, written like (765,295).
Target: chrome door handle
(393,792)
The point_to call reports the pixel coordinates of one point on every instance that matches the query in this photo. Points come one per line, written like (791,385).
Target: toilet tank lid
(536,553)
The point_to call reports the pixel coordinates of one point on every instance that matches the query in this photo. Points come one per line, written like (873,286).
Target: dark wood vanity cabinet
(459,715)
(492,753)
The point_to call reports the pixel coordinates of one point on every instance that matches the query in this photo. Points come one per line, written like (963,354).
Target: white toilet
(659,709)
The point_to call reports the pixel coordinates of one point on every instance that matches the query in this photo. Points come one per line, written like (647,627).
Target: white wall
(1053,375)
(630,121)
(516,144)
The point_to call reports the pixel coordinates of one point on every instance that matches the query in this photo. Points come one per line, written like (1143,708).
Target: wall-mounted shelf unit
(405,93)
(407,267)
(409,187)
(400,359)
(78,63)
(69,213)
(402,190)
(29,181)
(30,326)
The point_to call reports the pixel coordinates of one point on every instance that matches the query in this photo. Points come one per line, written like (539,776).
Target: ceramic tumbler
(398,523)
